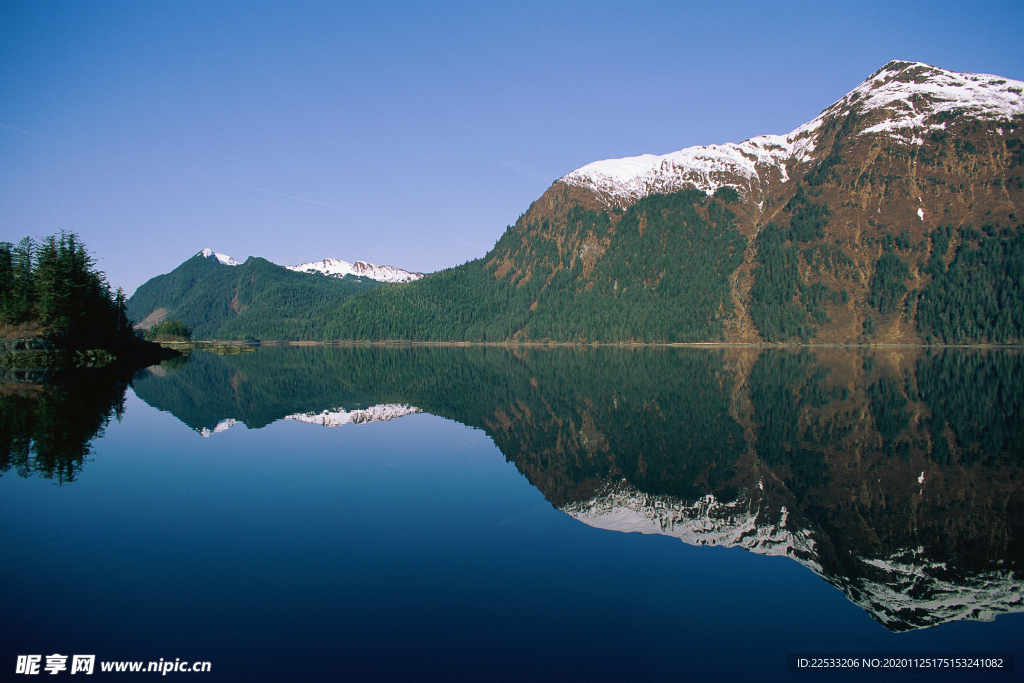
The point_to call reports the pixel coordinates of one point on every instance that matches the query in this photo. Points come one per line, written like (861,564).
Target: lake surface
(563,514)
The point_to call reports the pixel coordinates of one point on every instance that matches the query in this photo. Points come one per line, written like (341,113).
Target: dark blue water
(397,550)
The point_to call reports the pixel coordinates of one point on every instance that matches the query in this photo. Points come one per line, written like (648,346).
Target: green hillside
(257,299)
(657,272)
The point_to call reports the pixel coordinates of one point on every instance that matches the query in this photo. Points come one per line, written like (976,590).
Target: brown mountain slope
(911,149)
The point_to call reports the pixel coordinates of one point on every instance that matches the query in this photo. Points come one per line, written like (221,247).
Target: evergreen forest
(667,269)
(659,274)
(52,287)
(255,300)
(979,296)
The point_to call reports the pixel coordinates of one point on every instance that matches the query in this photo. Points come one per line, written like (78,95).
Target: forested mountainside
(894,216)
(256,299)
(658,272)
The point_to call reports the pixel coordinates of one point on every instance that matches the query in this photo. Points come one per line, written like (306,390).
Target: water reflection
(211,392)
(48,419)
(895,476)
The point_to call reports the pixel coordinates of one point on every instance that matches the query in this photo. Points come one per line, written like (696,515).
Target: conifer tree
(56,286)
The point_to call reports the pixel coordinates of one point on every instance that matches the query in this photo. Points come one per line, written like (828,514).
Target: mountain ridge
(331,267)
(895,216)
(921,89)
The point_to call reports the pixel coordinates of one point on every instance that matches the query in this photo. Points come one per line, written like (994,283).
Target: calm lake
(321,513)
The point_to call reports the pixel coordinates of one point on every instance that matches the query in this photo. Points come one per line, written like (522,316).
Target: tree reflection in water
(48,419)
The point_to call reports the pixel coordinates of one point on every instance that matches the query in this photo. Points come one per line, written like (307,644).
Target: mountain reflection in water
(893,475)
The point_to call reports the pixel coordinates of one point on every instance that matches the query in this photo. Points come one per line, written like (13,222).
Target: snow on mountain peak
(218,257)
(333,267)
(910,94)
(903,99)
(743,166)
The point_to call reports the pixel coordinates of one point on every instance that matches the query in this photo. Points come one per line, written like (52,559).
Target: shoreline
(762,345)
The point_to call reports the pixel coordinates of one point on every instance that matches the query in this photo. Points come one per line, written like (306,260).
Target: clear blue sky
(407,133)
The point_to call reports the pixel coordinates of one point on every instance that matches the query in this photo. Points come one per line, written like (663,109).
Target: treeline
(977,298)
(169,330)
(663,278)
(657,272)
(54,285)
(660,273)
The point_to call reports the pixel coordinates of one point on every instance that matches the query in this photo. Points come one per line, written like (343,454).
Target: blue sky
(407,133)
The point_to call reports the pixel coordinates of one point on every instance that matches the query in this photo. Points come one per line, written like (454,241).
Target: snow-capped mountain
(746,166)
(904,101)
(218,257)
(909,151)
(333,267)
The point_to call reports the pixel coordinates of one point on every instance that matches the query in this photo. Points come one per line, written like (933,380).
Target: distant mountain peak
(218,257)
(333,267)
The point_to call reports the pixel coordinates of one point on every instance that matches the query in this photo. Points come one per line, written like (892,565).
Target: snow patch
(745,522)
(222,426)
(705,168)
(218,257)
(338,417)
(333,267)
(912,94)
